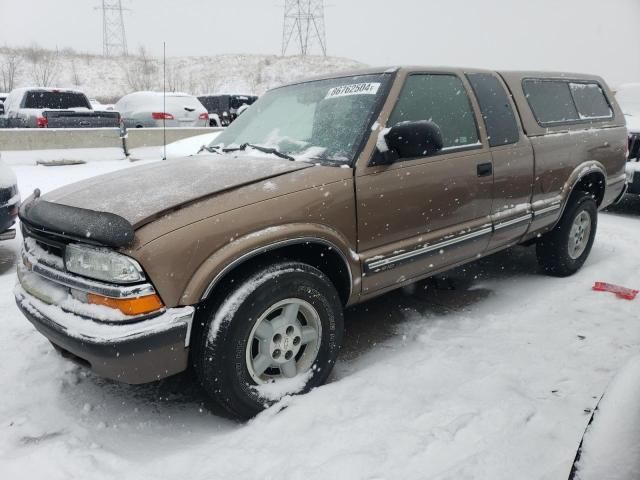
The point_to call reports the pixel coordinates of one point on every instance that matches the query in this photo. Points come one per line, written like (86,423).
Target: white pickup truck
(53,108)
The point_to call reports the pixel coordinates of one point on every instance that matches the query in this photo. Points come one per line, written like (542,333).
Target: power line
(304,24)
(114,38)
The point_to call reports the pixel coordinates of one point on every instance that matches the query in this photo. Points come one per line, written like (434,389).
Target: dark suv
(224,109)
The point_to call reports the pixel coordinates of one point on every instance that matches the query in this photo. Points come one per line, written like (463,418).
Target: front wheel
(563,250)
(278,333)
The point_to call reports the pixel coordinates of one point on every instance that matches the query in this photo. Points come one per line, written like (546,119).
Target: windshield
(323,120)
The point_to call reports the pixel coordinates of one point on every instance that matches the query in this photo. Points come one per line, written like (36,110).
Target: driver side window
(441,99)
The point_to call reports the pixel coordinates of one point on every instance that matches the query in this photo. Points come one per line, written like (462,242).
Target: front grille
(52,250)
(52,243)
(634,147)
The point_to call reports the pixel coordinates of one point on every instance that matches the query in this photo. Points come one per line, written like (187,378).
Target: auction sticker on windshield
(354,89)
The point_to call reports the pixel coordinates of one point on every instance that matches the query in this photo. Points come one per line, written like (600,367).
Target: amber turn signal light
(128,306)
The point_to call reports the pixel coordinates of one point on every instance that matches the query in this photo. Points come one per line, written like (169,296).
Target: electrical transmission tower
(114,39)
(304,21)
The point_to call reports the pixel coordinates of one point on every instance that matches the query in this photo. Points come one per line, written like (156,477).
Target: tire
(563,250)
(275,307)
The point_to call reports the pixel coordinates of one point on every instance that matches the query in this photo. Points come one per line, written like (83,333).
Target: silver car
(154,109)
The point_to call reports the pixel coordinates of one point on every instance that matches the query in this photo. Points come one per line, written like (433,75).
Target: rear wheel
(563,251)
(277,333)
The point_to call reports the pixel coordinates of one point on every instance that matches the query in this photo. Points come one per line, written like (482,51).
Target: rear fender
(581,172)
(574,180)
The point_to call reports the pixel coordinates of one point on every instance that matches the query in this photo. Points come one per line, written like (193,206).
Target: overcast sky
(595,36)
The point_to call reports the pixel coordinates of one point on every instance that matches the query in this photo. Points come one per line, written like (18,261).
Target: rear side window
(556,102)
(55,100)
(590,101)
(502,128)
(441,99)
(551,101)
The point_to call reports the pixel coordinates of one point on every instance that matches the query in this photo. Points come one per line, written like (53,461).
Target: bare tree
(175,79)
(75,76)
(257,78)
(141,71)
(191,85)
(45,65)
(211,83)
(10,70)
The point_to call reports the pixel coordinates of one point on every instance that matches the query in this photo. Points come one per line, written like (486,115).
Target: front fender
(244,248)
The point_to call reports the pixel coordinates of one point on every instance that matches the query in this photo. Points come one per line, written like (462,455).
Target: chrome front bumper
(98,332)
(129,349)
(131,353)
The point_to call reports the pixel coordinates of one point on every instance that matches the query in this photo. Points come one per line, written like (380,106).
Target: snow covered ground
(487,374)
(611,447)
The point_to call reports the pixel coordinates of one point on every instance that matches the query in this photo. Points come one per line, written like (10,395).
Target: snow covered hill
(109,78)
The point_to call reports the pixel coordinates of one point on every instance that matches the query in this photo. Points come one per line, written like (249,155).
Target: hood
(140,194)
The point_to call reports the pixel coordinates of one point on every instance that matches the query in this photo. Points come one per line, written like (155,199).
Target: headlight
(102,264)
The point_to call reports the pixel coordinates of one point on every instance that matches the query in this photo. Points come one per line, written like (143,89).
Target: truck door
(420,215)
(513,160)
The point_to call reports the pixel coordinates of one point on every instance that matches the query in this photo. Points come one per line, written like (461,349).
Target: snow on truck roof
(445,69)
(47,89)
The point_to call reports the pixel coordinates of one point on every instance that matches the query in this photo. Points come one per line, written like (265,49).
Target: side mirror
(410,140)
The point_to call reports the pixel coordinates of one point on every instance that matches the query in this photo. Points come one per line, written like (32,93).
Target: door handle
(485,169)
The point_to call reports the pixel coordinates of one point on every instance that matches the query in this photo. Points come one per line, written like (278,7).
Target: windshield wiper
(270,150)
(210,149)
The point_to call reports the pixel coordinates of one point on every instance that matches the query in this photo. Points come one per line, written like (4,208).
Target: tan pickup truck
(325,193)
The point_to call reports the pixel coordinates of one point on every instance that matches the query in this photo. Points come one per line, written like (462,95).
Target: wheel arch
(589,177)
(331,256)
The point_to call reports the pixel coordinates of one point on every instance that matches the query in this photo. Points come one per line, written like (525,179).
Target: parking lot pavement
(488,372)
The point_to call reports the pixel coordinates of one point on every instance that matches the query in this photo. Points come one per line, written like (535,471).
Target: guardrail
(62,138)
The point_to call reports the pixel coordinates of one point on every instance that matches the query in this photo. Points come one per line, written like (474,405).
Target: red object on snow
(621,292)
